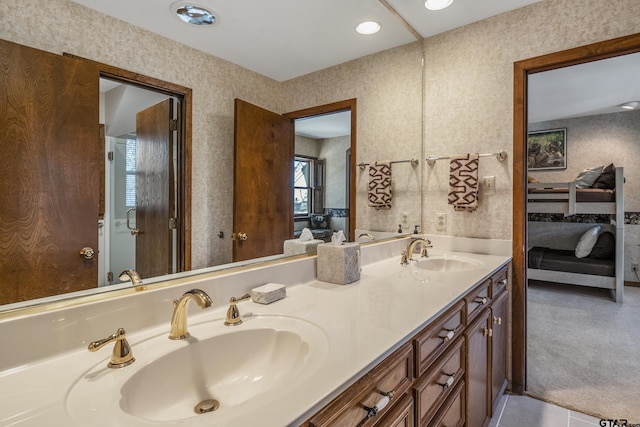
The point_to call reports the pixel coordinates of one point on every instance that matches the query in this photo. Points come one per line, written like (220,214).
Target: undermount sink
(450,263)
(234,367)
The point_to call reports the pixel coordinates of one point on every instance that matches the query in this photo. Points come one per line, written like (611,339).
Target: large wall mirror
(381,119)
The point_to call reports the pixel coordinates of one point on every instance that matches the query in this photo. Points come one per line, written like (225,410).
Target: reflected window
(130,168)
(308,186)
(302,190)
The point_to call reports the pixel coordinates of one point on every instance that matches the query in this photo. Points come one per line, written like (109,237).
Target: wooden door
(263,181)
(477,371)
(155,194)
(49,167)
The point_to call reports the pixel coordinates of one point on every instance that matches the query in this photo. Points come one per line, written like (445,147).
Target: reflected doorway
(321,174)
(335,124)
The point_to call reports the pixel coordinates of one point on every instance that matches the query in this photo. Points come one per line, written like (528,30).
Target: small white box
(266,294)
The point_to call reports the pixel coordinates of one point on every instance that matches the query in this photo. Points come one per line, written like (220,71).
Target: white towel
(463,182)
(380,185)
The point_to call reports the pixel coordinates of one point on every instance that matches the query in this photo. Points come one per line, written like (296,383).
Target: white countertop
(364,322)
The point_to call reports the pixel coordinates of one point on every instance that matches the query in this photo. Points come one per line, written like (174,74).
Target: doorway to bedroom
(578,340)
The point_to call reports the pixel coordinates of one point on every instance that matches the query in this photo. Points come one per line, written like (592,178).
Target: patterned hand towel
(463,182)
(380,185)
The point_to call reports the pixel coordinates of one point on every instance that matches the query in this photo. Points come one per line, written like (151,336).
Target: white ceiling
(325,126)
(598,87)
(283,39)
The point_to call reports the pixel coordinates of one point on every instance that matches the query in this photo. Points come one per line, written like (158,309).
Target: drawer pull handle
(380,404)
(497,320)
(481,300)
(487,331)
(503,282)
(449,335)
(451,378)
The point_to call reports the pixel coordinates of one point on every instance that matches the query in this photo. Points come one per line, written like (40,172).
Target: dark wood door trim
(335,107)
(184,171)
(593,52)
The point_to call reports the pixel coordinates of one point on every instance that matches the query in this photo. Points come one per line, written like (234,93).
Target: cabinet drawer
(453,410)
(478,299)
(434,387)
(499,282)
(394,374)
(434,339)
(401,415)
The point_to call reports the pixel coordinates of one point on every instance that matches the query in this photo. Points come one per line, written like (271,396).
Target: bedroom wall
(600,140)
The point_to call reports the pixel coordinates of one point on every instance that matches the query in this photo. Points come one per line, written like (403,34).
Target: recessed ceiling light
(193,14)
(633,105)
(437,4)
(368,27)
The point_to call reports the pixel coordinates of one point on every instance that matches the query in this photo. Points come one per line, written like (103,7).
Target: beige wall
(469,94)
(600,140)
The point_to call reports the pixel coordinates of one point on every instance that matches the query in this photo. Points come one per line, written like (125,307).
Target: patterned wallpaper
(467,100)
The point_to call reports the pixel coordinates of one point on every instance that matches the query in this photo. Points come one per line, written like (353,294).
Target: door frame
(336,107)
(522,69)
(184,169)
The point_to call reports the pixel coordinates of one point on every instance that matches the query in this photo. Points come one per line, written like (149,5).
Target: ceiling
(598,87)
(283,39)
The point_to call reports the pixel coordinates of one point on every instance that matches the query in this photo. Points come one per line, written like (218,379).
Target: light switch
(489,183)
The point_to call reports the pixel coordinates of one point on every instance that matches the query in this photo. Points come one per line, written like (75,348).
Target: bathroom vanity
(431,336)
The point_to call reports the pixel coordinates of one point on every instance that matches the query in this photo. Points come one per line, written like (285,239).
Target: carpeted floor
(584,350)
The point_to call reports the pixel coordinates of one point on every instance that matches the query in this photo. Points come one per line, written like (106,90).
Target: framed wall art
(547,149)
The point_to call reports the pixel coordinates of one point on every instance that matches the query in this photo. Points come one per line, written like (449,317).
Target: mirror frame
(522,69)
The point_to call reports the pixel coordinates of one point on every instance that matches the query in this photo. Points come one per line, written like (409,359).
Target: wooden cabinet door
(478,370)
(499,347)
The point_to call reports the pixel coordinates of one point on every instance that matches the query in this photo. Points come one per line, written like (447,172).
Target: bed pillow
(587,177)
(607,179)
(605,247)
(587,242)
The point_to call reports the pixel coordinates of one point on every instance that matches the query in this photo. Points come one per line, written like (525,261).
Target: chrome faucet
(407,255)
(132,275)
(179,317)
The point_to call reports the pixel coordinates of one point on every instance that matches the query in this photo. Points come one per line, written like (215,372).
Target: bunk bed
(560,264)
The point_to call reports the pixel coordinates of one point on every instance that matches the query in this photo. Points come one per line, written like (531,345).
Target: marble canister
(298,247)
(339,264)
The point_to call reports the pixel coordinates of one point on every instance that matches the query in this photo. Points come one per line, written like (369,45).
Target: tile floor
(524,411)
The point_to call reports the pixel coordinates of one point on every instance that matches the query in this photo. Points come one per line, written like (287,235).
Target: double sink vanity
(417,344)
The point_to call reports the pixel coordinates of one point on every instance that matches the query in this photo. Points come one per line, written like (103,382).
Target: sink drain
(205,406)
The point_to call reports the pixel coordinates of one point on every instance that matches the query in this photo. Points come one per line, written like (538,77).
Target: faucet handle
(121,355)
(233,314)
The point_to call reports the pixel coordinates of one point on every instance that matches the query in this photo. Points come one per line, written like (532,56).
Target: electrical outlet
(441,221)
(404,217)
